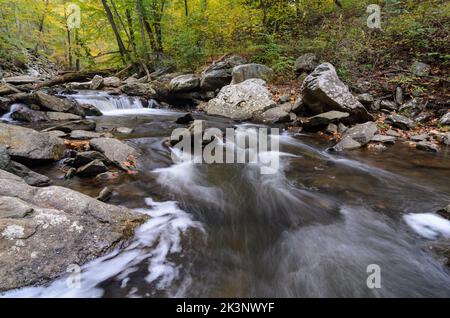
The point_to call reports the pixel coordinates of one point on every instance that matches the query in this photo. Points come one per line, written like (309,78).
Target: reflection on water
(311,230)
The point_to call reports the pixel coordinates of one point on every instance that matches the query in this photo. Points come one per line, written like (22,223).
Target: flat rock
(324,119)
(28,144)
(84,135)
(384,139)
(85,124)
(56,116)
(56,104)
(362,133)
(274,115)
(117,152)
(45,230)
(185,83)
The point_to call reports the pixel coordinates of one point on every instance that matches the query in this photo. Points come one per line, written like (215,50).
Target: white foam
(428,225)
(154,242)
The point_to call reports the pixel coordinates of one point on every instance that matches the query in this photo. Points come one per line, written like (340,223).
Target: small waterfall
(108,103)
(13,108)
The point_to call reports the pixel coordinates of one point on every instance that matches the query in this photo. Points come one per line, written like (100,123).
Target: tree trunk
(186,8)
(205,23)
(122,49)
(131,29)
(142,27)
(41,26)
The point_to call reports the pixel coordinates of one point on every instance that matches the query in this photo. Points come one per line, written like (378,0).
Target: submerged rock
(324,91)
(43,231)
(242,101)
(28,144)
(186,119)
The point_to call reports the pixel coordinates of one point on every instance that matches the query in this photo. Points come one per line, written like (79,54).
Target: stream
(225,230)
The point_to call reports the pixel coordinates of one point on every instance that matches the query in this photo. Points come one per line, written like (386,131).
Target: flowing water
(311,230)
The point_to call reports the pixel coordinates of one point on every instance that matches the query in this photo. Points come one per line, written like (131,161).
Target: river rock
(83,158)
(84,135)
(347,143)
(366,99)
(241,101)
(306,63)
(445,120)
(388,105)
(28,144)
(24,114)
(86,125)
(418,138)
(45,230)
(123,130)
(29,176)
(219,74)
(97,82)
(138,89)
(274,115)
(384,139)
(362,133)
(92,169)
(241,73)
(186,119)
(322,120)
(324,91)
(55,116)
(427,146)
(90,110)
(112,81)
(105,195)
(117,152)
(401,122)
(55,104)
(412,108)
(185,83)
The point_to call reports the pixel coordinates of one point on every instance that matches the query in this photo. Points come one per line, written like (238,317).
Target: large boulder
(324,91)
(122,155)
(112,81)
(43,231)
(24,114)
(28,144)
(185,83)
(242,101)
(244,72)
(306,63)
(219,74)
(56,104)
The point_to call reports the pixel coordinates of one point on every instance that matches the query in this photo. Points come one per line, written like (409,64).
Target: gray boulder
(412,108)
(97,82)
(362,133)
(388,105)
(24,114)
(87,125)
(306,63)
(28,144)
(347,143)
(185,83)
(445,120)
(323,120)
(120,154)
(112,81)
(85,135)
(43,231)
(324,91)
(55,104)
(241,73)
(401,122)
(274,115)
(138,89)
(242,101)
(219,74)
(90,110)
(92,169)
